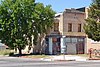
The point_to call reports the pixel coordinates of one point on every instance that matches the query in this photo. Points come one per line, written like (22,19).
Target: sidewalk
(58,58)
(65,58)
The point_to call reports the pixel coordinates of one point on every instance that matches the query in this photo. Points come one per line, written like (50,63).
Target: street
(26,62)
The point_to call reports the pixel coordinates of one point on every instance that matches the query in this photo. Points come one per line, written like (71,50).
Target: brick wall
(75,18)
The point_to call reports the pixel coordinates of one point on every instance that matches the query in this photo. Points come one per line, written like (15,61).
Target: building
(89,42)
(3,47)
(67,36)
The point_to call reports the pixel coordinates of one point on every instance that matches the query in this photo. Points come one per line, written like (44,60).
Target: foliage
(92,26)
(15,17)
(44,17)
(20,19)
(11,53)
(44,21)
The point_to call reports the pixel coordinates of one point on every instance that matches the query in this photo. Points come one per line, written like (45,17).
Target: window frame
(79,27)
(69,27)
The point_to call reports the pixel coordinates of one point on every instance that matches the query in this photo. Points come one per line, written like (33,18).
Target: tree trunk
(42,42)
(20,50)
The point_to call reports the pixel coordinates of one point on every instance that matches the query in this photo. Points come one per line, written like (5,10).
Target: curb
(50,59)
(36,59)
(65,60)
(93,59)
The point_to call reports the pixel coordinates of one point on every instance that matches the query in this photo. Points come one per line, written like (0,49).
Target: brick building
(68,35)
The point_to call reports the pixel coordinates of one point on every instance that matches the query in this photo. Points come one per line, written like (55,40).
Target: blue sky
(60,5)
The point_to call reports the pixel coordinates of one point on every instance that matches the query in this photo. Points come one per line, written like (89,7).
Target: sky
(61,5)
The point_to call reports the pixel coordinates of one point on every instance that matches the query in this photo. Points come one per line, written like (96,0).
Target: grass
(83,55)
(5,52)
(38,56)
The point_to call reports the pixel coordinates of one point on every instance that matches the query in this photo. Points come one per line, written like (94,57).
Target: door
(56,46)
(80,48)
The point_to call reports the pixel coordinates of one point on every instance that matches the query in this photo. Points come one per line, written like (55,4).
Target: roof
(3,45)
(72,10)
(58,14)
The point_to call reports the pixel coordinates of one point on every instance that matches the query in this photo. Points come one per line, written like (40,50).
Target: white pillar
(63,47)
(50,45)
(85,45)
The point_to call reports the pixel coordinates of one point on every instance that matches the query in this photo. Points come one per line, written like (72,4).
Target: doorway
(80,48)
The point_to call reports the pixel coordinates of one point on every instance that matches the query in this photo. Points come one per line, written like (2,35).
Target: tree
(22,19)
(44,21)
(92,26)
(15,18)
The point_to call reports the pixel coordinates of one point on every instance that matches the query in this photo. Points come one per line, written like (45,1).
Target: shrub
(11,53)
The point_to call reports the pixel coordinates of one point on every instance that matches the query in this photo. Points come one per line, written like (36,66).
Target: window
(79,27)
(68,40)
(56,27)
(69,27)
(80,39)
(74,40)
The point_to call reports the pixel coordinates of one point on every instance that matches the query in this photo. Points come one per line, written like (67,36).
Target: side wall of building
(92,44)
(74,40)
(75,18)
(61,24)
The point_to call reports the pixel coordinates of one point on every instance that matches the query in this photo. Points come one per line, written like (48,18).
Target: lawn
(83,55)
(5,52)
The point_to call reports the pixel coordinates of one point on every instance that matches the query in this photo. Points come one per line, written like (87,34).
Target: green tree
(92,26)
(44,18)
(16,20)
(22,19)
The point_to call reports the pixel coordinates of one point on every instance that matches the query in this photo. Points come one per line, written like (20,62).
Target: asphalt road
(23,62)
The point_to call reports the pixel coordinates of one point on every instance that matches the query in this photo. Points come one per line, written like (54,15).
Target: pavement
(59,58)
(65,58)
(29,62)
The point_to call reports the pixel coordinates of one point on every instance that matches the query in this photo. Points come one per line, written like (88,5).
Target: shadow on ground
(19,55)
